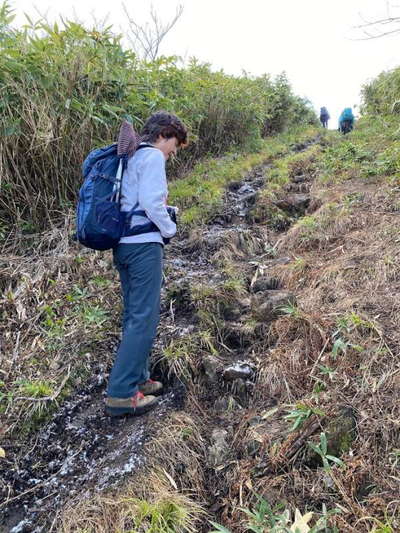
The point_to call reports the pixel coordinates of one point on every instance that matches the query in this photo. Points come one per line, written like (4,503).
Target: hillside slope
(279,339)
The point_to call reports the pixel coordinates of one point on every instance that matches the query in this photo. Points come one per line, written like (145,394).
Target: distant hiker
(324,117)
(346,120)
(139,261)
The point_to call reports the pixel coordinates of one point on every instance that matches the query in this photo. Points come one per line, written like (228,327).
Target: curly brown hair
(165,124)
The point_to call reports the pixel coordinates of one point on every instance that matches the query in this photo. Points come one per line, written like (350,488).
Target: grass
(76,300)
(57,69)
(164,511)
(370,153)
(279,177)
(200,194)
(338,347)
(55,314)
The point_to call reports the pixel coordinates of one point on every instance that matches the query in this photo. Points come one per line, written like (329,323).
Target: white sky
(309,39)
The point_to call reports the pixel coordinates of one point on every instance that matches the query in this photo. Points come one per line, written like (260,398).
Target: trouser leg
(140,268)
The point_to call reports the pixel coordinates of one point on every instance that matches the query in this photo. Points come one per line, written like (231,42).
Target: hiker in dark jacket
(324,117)
(346,120)
(139,261)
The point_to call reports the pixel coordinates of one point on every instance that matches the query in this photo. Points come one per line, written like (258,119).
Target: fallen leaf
(2,452)
(171,479)
(300,522)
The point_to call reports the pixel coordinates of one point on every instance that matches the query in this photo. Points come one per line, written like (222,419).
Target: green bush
(65,89)
(382,94)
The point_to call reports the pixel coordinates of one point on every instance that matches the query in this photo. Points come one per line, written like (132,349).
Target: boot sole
(153,393)
(129,411)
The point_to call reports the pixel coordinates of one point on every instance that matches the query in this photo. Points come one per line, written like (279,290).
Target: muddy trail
(80,451)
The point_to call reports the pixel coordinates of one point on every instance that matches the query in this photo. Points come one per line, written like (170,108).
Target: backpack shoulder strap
(145,145)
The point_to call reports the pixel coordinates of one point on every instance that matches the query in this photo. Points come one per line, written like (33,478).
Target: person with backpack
(324,117)
(138,258)
(346,120)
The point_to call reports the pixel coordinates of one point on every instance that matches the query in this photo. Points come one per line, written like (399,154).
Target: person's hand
(172,211)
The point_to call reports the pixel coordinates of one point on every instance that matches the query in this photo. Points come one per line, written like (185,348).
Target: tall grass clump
(382,94)
(65,88)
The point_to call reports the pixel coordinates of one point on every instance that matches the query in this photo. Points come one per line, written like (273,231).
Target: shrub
(382,94)
(65,89)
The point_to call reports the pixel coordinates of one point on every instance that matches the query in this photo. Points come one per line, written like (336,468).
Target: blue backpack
(347,114)
(99,219)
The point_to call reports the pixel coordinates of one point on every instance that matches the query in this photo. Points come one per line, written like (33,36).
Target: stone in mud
(242,389)
(294,202)
(237,371)
(341,432)
(249,199)
(299,147)
(245,189)
(298,187)
(219,449)
(180,295)
(237,336)
(245,303)
(234,186)
(254,442)
(270,305)
(315,204)
(301,178)
(226,404)
(22,527)
(231,311)
(211,366)
(265,283)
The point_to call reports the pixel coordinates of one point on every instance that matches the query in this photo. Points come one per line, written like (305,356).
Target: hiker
(139,261)
(324,117)
(346,120)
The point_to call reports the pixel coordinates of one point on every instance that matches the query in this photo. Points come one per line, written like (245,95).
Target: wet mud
(81,450)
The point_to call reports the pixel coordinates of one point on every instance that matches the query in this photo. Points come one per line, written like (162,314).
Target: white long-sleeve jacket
(145,183)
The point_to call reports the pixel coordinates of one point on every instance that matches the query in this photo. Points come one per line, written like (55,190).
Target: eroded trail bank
(278,337)
(78,451)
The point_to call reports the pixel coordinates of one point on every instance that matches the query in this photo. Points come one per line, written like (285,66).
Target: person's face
(167,146)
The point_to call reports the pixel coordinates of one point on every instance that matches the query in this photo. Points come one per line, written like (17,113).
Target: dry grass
(152,504)
(57,303)
(337,348)
(165,497)
(340,347)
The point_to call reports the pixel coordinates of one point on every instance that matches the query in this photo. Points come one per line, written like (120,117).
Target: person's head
(165,131)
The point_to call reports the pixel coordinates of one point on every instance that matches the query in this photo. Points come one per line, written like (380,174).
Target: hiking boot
(136,405)
(151,387)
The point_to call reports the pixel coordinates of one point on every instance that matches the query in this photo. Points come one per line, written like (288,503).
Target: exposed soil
(80,451)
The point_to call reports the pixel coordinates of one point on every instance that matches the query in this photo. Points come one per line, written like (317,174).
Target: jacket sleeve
(153,191)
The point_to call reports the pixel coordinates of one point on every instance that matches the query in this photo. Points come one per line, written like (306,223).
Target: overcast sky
(310,39)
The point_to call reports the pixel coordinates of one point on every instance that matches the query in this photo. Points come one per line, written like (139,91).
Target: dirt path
(80,450)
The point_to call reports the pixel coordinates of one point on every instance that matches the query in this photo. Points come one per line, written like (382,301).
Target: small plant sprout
(264,518)
(394,458)
(322,450)
(94,315)
(76,294)
(264,515)
(291,310)
(300,413)
(327,371)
